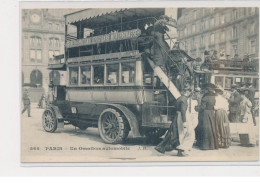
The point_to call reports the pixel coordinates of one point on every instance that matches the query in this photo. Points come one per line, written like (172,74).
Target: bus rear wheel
(111,126)
(49,121)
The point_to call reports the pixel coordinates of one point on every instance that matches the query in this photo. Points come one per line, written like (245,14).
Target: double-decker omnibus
(110,82)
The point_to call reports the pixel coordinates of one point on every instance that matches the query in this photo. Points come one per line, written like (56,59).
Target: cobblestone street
(73,145)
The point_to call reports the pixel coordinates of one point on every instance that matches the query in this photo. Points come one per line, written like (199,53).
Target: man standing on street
(27,103)
(251,97)
(234,105)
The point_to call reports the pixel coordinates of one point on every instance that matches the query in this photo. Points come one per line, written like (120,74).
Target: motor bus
(110,84)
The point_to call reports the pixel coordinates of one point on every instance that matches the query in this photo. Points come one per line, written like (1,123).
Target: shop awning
(101,15)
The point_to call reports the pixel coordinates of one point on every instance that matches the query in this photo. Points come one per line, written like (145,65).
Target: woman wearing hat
(246,132)
(221,117)
(172,140)
(207,128)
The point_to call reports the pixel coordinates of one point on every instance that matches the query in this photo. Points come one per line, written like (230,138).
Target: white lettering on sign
(114,36)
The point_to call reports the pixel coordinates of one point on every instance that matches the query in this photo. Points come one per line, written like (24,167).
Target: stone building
(234,31)
(42,37)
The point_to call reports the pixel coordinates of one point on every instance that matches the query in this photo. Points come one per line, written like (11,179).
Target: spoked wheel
(111,126)
(154,133)
(49,121)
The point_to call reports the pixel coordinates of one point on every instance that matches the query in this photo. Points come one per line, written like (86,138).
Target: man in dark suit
(27,103)
(234,105)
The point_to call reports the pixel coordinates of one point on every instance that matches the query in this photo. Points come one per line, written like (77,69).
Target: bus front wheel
(111,126)
(49,121)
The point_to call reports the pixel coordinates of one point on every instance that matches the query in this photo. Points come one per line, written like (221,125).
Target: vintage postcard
(173,84)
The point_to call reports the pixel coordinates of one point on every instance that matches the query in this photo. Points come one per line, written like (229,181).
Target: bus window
(219,80)
(73,75)
(238,81)
(128,72)
(228,82)
(247,80)
(85,74)
(98,74)
(112,73)
(256,83)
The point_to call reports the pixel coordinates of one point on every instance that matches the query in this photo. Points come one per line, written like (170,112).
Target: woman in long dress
(222,121)
(247,128)
(172,138)
(207,128)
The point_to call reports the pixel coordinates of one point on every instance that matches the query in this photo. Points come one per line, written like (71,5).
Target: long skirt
(171,140)
(223,130)
(207,131)
(246,132)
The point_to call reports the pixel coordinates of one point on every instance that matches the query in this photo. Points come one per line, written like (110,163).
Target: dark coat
(207,128)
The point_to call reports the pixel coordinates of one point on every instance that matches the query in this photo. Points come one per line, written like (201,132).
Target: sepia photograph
(144,84)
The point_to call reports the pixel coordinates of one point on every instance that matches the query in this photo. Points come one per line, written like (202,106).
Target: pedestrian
(207,128)
(197,96)
(221,117)
(234,104)
(251,97)
(246,131)
(27,103)
(172,138)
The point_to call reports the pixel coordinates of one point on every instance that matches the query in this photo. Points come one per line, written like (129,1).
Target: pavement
(74,145)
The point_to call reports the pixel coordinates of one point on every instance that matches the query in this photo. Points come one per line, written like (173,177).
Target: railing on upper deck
(233,65)
(141,24)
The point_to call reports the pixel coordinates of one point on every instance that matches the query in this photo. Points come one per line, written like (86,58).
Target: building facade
(234,31)
(42,37)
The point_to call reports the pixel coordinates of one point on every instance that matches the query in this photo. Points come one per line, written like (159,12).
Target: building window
(234,14)
(128,72)
(85,74)
(112,73)
(98,74)
(57,26)
(53,53)
(185,31)
(193,28)
(35,41)
(193,43)
(212,22)
(234,50)
(202,40)
(201,26)
(195,14)
(54,42)
(251,11)
(222,19)
(212,38)
(73,73)
(252,28)
(50,25)
(35,55)
(206,24)
(36,78)
(252,46)
(234,32)
(223,36)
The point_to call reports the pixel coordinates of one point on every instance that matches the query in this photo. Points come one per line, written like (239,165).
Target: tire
(154,133)
(111,127)
(49,121)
